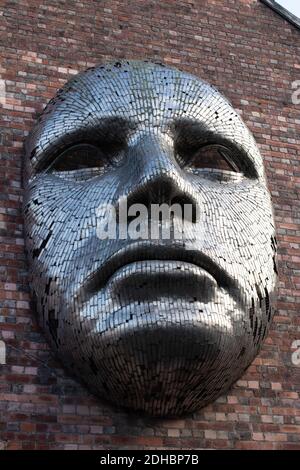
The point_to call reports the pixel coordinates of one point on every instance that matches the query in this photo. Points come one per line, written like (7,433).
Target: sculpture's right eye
(213,157)
(79,162)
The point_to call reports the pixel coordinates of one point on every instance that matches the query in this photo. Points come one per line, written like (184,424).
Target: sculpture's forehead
(150,96)
(139,90)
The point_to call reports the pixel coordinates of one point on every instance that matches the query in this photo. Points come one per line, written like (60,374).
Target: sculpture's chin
(167,368)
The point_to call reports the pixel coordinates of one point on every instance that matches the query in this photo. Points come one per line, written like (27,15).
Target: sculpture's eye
(213,157)
(80,162)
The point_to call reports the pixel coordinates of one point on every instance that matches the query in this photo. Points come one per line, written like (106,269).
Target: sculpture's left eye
(79,162)
(213,157)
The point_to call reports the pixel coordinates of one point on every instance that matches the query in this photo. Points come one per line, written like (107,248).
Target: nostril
(154,191)
(141,196)
(158,189)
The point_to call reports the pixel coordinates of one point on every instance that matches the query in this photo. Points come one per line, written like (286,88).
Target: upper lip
(145,251)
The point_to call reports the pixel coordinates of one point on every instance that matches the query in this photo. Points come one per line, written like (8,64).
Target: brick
(28,427)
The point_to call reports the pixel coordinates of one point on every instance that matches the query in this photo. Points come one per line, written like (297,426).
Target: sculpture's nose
(156,175)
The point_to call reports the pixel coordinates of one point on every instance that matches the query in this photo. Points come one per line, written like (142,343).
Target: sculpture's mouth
(142,261)
(148,280)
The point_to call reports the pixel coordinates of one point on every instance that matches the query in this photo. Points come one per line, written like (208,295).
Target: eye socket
(82,162)
(213,157)
(78,157)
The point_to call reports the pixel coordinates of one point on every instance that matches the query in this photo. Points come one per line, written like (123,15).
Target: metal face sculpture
(158,324)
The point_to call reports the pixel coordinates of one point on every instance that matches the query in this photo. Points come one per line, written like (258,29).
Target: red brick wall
(252,55)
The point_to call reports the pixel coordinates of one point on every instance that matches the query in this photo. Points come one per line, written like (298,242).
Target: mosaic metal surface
(159,325)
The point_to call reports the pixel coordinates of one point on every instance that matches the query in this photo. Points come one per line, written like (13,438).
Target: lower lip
(143,280)
(161,266)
